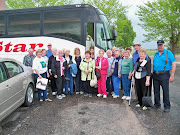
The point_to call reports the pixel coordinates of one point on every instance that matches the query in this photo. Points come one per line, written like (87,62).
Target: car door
(16,94)
(5,87)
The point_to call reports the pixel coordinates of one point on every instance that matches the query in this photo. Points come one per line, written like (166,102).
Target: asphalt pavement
(79,115)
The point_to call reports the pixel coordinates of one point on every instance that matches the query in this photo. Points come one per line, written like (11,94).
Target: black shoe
(166,110)
(157,106)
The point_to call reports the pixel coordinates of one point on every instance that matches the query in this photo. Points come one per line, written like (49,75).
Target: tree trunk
(174,48)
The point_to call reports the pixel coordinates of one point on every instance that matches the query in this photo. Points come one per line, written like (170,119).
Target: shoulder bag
(98,75)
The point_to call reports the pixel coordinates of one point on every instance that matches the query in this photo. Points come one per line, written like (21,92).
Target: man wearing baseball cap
(163,63)
(136,54)
(49,51)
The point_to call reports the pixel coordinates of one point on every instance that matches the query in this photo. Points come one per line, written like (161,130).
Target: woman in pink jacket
(102,66)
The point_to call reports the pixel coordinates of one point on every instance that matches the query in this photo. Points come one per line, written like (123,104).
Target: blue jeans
(161,80)
(44,75)
(78,82)
(126,84)
(116,81)
(69,83)
(108,81)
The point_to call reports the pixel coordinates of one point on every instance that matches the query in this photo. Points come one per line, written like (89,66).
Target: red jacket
(104,65)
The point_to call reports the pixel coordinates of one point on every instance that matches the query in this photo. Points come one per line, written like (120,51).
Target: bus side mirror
(114,32)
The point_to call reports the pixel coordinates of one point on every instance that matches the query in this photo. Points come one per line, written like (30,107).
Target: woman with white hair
(59,66)
(68,78)
(109,82)
(50,61)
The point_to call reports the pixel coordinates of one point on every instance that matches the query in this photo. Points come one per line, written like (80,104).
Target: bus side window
(101,37)
(90,36)
(63,23)
(2,25)
(20,24)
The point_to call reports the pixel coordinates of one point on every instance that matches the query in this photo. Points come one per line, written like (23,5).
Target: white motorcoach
(68,26)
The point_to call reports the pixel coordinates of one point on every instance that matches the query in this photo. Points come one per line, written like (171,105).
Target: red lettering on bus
(20,48)
(1,48)
(7,47)
(33,46)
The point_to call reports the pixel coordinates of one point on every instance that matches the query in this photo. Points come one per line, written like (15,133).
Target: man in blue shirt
(163,63)
(136,54)
(49,51)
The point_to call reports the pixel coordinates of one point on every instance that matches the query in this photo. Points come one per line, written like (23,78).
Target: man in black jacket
(53,83)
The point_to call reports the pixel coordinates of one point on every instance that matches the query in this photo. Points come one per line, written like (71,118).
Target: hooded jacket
(87,66)
(104,65)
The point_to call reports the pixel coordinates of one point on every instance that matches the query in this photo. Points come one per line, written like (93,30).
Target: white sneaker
(144,108)
(99,95)
(59,97)
(138,105)
(77,93)
(63,95)
(115,96)
(128,98)
(81,92)
(112,93)
(54,93)
(104,96)
(124,97)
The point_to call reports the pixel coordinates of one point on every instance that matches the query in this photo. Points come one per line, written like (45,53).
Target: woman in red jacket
(102,66)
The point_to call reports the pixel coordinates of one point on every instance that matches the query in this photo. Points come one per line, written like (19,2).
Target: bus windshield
(108,30)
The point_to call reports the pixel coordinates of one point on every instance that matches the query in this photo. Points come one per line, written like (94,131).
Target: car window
(3,76)
(13,68)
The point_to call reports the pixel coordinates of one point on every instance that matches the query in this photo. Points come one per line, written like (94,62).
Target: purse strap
(166,60)
(97,61)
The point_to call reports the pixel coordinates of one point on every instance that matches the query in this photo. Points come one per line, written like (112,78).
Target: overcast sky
(134,18)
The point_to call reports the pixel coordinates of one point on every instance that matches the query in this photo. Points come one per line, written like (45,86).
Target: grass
(151,52)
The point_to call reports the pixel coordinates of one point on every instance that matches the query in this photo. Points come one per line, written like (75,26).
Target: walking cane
(132,86)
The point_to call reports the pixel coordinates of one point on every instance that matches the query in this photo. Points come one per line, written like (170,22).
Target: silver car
(16,86)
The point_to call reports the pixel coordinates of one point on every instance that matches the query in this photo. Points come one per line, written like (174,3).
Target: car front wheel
(29,97)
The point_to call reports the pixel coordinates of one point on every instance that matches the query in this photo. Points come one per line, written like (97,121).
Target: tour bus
(67,26)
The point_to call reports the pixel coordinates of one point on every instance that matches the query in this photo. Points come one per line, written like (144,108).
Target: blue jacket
(73,70)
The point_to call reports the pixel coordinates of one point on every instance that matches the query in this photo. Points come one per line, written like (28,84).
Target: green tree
(116,14)
(16,4)
(161,19)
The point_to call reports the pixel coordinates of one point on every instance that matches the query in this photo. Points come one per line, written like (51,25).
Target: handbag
(97,73)
(41,83)
(147,100)
(93,82)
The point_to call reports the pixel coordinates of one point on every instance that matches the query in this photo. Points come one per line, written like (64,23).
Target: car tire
(29,97)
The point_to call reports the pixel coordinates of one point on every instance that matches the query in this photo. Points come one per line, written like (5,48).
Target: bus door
(90,36)
(101,39)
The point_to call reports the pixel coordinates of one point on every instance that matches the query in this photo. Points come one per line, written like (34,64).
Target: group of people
(118,67)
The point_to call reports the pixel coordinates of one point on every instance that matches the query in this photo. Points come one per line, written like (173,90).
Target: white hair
(54,49)
(109,51)
(67,50)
